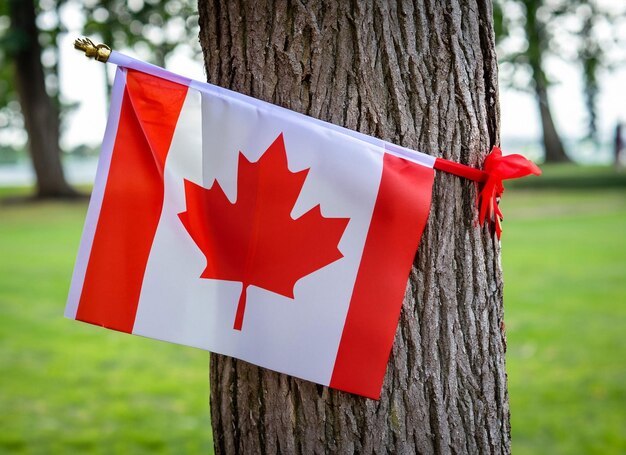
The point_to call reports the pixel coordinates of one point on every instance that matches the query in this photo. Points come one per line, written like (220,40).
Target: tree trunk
(537,42)
(41,117)
(552,145)
(422,74)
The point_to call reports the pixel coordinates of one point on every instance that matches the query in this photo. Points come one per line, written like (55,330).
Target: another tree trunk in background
(41,117)
(552,144)
(422,74)
(535,30)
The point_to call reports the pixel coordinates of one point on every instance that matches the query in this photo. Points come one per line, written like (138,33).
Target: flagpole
(490,178)
(103,53)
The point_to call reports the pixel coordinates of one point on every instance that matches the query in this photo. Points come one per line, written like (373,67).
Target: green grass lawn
(69,387)
(564,259)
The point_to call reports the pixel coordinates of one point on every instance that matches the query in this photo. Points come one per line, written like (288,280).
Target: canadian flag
(233,225)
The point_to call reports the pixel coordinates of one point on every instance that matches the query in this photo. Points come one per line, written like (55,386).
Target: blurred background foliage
(28,28)
(528,32)
(69,387)
(589,33)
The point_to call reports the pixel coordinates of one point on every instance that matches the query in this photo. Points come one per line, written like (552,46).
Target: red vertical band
(398,220)
(132,203)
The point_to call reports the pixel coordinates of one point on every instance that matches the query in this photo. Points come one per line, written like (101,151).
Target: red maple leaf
(255,240)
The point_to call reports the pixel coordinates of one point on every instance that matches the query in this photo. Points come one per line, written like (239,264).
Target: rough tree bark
(41,117)
(422,74)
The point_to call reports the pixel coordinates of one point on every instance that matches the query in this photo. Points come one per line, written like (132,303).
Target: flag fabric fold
(233,225)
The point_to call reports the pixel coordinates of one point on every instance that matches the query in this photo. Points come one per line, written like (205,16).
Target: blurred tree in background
(23,46)
(30,31)
(154,28)
(529,32)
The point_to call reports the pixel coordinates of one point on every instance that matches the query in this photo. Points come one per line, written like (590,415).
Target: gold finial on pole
(100,52)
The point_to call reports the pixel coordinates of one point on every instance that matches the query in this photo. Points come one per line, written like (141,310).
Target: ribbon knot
(499,168)
(496,169)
